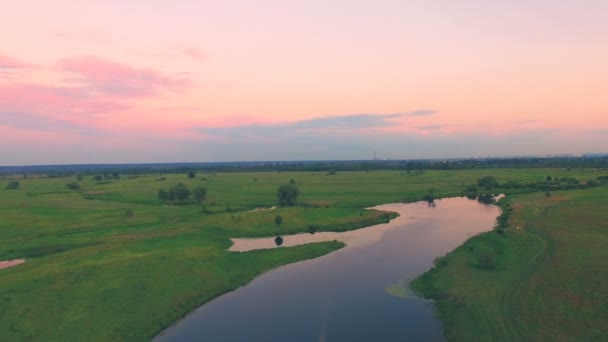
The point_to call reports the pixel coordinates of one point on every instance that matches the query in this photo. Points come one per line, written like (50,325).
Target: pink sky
(155,81)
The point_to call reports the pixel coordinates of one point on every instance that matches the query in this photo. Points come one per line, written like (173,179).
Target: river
(359,293)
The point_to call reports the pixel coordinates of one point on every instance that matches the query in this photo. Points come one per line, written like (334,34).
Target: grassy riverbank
(545,283)
(96,272)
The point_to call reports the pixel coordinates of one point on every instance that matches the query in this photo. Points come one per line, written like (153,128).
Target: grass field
(94,273)
(549,282)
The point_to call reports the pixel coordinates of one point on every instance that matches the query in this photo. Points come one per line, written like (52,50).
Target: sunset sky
(167,81)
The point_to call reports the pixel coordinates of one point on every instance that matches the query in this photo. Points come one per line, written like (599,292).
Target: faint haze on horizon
(165,81)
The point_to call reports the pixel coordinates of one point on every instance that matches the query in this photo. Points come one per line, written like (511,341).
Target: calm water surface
(358,293)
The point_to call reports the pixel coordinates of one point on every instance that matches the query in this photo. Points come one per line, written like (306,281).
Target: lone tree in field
(200,193)
(73,186)
(278,220)
(191,174)
(488,182)
(98,178)
(287,194)
(13,185)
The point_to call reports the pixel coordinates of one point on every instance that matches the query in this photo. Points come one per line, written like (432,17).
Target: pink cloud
(195,54)
(7,62)
(94,98)
(120,80)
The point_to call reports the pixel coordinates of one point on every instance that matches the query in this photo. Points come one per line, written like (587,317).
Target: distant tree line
(329,167)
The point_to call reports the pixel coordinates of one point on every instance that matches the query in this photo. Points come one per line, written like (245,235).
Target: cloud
(7,62)
(38,122)
(334,123)
(111,78)
(421,112)
(195,54)
(88,36)
(93,91)
(431,127)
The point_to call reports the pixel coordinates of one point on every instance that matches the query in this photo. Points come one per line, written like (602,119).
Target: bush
(313,228)
(129,212)
(488,182)
(73,186)
(486,259)
(98,177)
(486,199)
(278,220)
(278,240)
(191,174)
(200,193)
(177,192)
(13,185)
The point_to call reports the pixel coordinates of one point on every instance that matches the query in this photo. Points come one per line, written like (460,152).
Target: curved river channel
(359,293)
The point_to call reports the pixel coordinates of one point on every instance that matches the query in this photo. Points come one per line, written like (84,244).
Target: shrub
(488,182)
(191,174)
(200,193)
(278,240)
(13,185)
(313,228)
(486,259)
(278,220)
(73,186)
(486,199)
(129,212)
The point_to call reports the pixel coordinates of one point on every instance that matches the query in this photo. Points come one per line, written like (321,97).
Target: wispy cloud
(421,112)
(92,89)
(121,80)
(333,123)
(195,54)
(7,62)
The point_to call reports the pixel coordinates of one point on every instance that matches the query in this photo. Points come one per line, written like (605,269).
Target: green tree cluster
(287,194)
(179,192)
(13,185)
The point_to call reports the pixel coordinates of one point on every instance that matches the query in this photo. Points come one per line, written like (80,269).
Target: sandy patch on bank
(11,263)
(261,209)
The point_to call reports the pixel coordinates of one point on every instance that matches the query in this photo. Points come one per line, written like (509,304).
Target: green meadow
(110,261)
(544,279)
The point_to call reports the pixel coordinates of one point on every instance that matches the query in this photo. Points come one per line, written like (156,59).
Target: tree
(287,194)
(181,191)
(79,178)
(129,212)
(200,193)
(191,174)
(488,182)
(278,240)
(116,175)
(98,177)
(163,195)
(73,186)
(278,220)
(549,178)
(13,185)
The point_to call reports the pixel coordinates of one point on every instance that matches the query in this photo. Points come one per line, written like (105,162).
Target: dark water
(355,294)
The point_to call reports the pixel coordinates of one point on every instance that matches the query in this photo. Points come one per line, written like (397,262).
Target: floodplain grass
(549,280)
(95,273)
